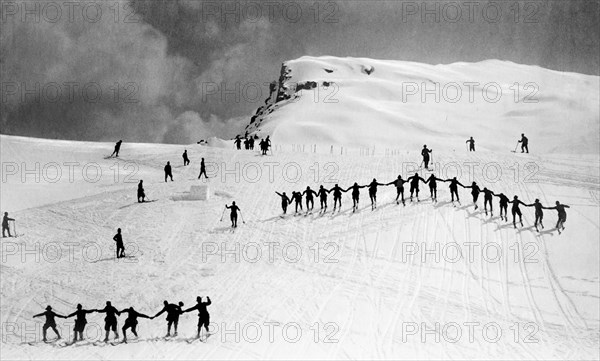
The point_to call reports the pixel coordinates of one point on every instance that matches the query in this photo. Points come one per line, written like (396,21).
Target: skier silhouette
(251,143)
(202,169)
(50,322)
(539,213)
(515,210)
(337,196)
(414,185)
(297,197)
(373,192)
(117,149)
(425,153)
(233,215)
(562,215)
(110,321)
(310,202)
(238,142)
(168,172)
(173,311)
(140,192)
(475,190)
(285,200)
(246,144)
(131,321)
(355,195)
(186,160)
(399,184)
(432,180)
(454,183)
(487,199)
(322,194)
(203,315)
(524,144)
(80,322)
(118,238)
(471,142)
(5,226)
(503,205)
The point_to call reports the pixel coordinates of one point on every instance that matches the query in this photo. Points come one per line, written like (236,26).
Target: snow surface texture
(367,291)
(397,104)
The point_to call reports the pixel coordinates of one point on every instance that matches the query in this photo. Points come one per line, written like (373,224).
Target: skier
(414,185)
(110,321)
(117,149)
(562,215)
(251,143)
(337,196)
(173,311)
(140,192)
(503,205)
(246,144)
(297,197)
(322,194)
(432,180)
(50,322)
(471,142)
(516,210)
(454,183)
(119,240)
(203,315)
(285,200)
(186,160)
(373,192)
(524,143)
(168,172)
(399,184)
(267,144)
(475,190)
(355,195)
(310,202)
(233,215)
(131,321)
(425,153)
(238,142)
(5,226)
(487,199)
(202,169)
(539,213)
(80,322)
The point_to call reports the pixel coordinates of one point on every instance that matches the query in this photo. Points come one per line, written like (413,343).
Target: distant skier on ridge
(471,142)
(524,144)
(117,149)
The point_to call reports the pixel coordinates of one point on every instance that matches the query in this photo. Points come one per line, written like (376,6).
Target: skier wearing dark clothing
(425,153)
(562,215)
(524,144)
(515,210)
(140,192)
(50,321)
(337,196)
(117,149)
(186,160)
(284,201)
(80,322)
(432,181)
(203,315)
(246,144)
(110,321)
(168,172)
(503,205)
(119,240)
(202,169)
(297,197)
(355,195)
(238,142)
(399,184)
(233,216)
(373,192)
(173,311)
(471,142)
(322,194)
(454,183)
(414,185)
(251,143)
(131,321)
(539,213)
(475,190)
(487,199)
(310,202)
(5,226)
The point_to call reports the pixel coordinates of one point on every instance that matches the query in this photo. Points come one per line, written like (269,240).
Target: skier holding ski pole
(233,216)
(285,200)
(5,226)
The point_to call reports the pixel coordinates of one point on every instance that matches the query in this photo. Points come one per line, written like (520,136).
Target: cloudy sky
(180,71)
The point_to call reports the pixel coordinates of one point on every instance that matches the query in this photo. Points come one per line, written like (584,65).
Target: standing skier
(425,153)
(140,192)
(562,215)
(186,160)
(168,172)
(524,143)
(337,196)
(117,149)
(487,199)
(399,184)
(503,205)
(119,240)
(516,210)
(454,183)
(432,180)
(373,192)
(355,195)
(131,321)
(539,213)
(475,190)
(110,321)
(322,194)
(238,142)
(203,315)
(5,226)
(310,202)
(202,169)
(471,142)
(50,322)
(284,201)
(173,311)
(233,216)
(80,322)
(414,185)
(297,197)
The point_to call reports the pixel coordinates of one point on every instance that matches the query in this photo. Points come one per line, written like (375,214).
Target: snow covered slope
(368,285)
(397,104)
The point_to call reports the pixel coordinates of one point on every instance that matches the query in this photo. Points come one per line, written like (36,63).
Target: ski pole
(517,146)
(15,228)
(222,214)
(241,215)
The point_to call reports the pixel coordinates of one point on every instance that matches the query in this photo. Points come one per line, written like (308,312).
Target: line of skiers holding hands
(413,181)
(110,321)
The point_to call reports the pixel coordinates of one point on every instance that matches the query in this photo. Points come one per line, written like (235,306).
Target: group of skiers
(414,182)
(110,321)
(264,144)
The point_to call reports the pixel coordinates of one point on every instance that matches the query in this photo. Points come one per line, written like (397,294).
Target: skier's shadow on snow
(111,259)
(441,204)
(276,218)
(222,230)
(550,232)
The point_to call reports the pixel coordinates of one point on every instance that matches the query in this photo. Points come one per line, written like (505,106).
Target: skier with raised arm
(399,184)
(131,321)
(234,213)
(488,196)
(285,200)
(50,322)
(203,315)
